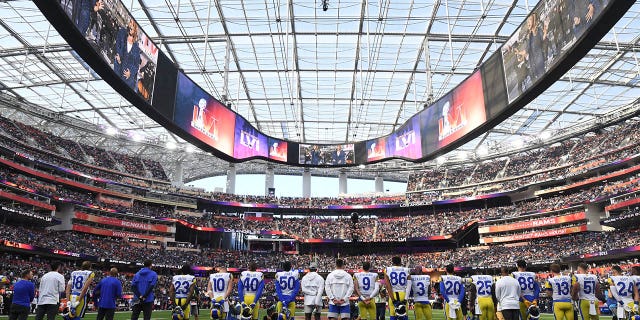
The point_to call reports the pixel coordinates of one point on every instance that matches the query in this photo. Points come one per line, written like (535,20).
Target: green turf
(166,315)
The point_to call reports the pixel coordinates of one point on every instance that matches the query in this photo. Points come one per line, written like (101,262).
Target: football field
(166,315)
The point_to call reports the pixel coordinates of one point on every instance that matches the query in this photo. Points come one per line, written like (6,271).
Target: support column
(342,182)
(177,179)
(379,184)
(231,179)
(306,183)
(268,180)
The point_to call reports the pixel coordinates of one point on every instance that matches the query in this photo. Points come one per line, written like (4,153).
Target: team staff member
(452,290)
(143,284)
(312,286)
(397,282)
(366,286)
(559,287)
(24,291)
(421,288)
(51,286)
(529,287)
(77,289)
(585,290)
(480,301)
(381,304)
(108,291)
(507,296)
(339,287)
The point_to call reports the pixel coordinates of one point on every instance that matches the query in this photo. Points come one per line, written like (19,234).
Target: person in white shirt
(51,286)
(312,286)
(507,296)
(339,287)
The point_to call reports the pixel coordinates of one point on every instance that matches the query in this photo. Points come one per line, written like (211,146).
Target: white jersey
(366,283)
(483,285)
(622,287)
(561,288)
(219,283)
(251,281)
(452,286)
(78,279)
(527,282)
(286,280)
(421,287)
(397,278)
(182,284)
(587,284)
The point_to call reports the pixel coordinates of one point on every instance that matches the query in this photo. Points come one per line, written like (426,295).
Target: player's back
(182,284)
(366,282)
(286,281)
(587,283)
(483,285)
(78,279)
(219,283)
(251,280)
(397,278)
(624,286)
(561,288)
(421,284)
(527,282)
(452,285)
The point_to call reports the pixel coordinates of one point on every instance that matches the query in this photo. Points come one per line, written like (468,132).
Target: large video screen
(278,149)
(326,155)
(537,45)
(405,142)
(109,28)
(204,117)
(249,142)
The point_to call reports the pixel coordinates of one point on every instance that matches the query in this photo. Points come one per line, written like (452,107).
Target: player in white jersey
(586,290)
(480,300)
(181,292)
(219,289)
(452,290)
(635,275)
(529,286)
(287,288)
(559,286)
(398,284)
(421,290)
(623,289)
(250,289)
(77,289)
(366,287)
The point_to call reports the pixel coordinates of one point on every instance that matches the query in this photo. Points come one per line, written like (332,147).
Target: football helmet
(401,310)
(246,312)
(217,309)
(4,280)
(285,314)
(177,313)
(534,312)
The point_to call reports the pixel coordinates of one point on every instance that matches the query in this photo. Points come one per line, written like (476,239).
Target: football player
(559,286)
(529,286)
(76,290)
(397,282)
(250,289)
(287,288)
(219,289)
(421,289)
(366,286)
(452,290)
(585,290)
(635,274)
(624,291)
(181,291)
(480,301)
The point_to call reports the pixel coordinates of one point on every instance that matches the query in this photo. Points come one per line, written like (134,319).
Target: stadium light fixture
(482,151)
(136,137)
(111,131)
(545,135)
(362,166)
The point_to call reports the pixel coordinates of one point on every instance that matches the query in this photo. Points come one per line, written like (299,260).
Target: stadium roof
(353,72)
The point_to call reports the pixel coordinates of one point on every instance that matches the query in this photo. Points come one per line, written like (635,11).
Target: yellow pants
(186,309)
(367,311)
(80,309)
(523,311)
(563,311)
(584,310)
(487,309)
(422,310)
(392,308)
(291,307)
(459,315)
(249,299)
